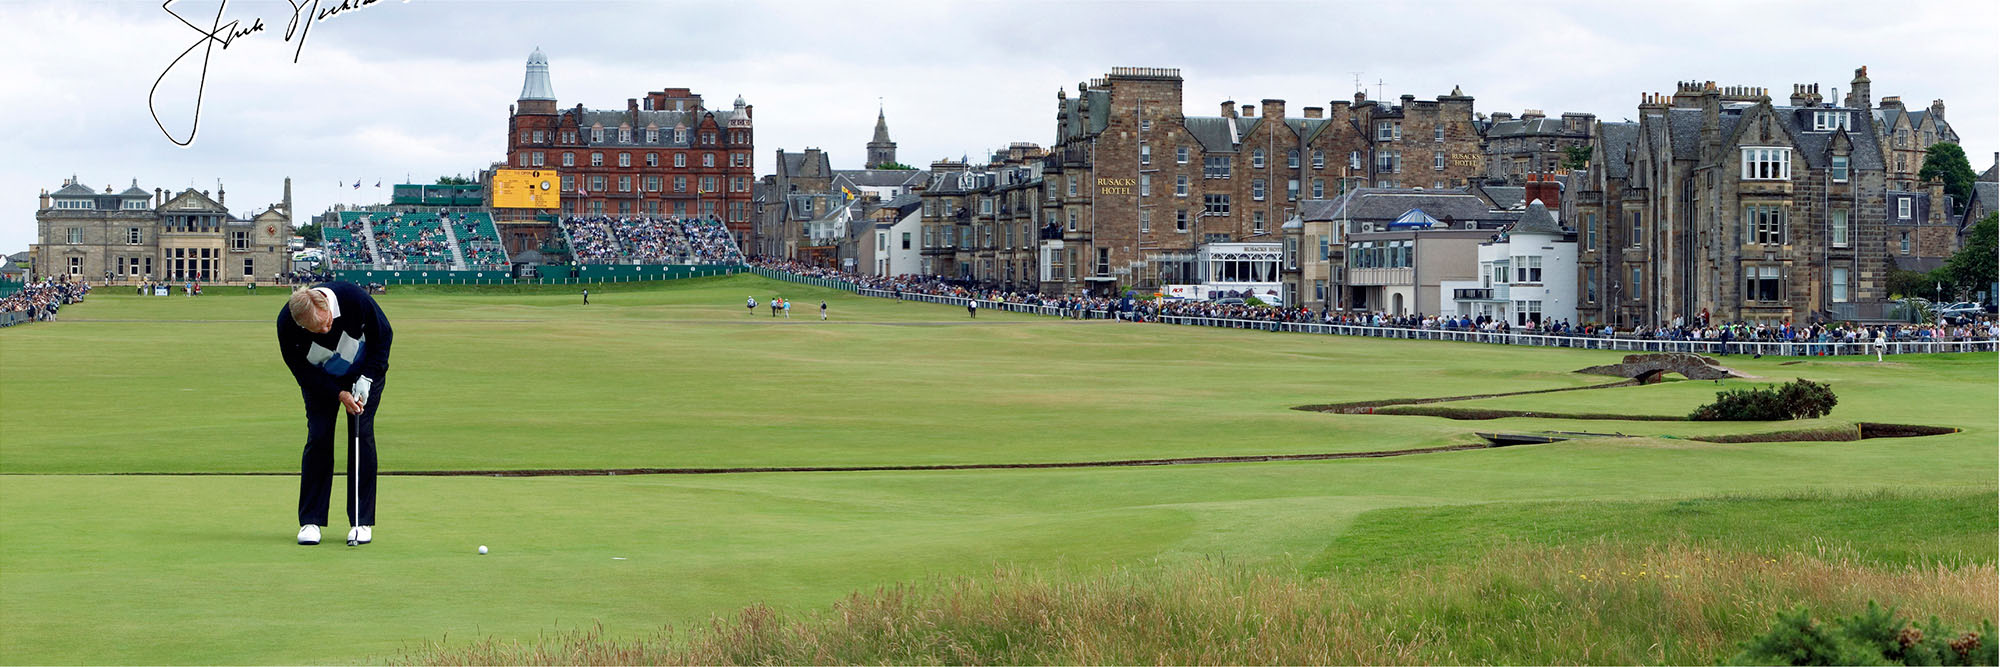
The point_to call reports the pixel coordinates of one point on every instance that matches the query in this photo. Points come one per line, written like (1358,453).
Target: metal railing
(1600,342)
(1618,343)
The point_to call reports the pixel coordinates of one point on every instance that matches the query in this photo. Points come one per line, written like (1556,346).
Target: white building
(898,249)
(1526,276)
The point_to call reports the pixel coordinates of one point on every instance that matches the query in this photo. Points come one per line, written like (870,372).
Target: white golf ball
(482,549)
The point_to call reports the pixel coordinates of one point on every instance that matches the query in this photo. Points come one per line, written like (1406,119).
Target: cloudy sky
(419,89)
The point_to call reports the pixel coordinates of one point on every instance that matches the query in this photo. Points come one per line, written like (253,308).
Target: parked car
(1959,313)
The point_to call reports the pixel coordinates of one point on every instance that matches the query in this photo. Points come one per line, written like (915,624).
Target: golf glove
(361,389)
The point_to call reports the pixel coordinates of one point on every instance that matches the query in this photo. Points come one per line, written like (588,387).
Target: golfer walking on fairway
(336,342)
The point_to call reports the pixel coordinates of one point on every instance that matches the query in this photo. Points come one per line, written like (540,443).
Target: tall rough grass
(1593,604)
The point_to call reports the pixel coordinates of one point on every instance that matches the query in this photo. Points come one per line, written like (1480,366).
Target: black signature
(305,13)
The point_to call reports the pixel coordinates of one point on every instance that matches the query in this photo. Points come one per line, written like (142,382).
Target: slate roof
(665,121)
(74,189)
(795,163)
(1619,139)
(881,178)
(1381,204)
(1319,209)
(1917,264)
(1518,127)
(1684,130)
(1920,207)
(1988,193)
(1212,132)
(1536,220)
(1503,197)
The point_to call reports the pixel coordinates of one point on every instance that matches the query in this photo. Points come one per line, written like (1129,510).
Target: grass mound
(1598,604)
(1620,583)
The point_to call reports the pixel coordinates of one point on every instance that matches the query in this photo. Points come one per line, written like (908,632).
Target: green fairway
(165,567)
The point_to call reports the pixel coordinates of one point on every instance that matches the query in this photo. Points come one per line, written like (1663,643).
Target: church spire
(881,150)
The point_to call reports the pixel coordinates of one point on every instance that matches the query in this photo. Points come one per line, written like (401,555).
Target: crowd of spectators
(648,240)
(304,277)
(40,300)
(1152,310)
(418,241)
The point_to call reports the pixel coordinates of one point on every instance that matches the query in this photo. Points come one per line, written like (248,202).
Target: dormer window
(1827,121)
(135,205)
(652,136)
(73,204)
(624,135)
(596,135)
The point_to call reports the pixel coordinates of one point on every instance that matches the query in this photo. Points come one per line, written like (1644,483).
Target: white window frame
(1181,155)
(1838,222)
(1767,163)
(1840,168)
(1904,207)
(1257,158)
(1837,281)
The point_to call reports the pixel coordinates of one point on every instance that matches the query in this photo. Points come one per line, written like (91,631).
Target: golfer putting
(336,341)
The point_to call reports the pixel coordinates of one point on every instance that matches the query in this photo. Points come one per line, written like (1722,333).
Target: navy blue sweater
(357,345)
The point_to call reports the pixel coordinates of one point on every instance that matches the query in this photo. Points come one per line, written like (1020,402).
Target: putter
(353,474)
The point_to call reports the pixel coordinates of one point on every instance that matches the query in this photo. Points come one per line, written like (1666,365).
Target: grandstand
(605,240)
(408,240)
(478,240)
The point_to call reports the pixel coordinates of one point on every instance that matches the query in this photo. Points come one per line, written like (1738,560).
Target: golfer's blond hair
(304,302)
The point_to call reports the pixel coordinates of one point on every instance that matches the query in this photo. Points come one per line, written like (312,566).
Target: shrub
(1800,399)
(1874,637)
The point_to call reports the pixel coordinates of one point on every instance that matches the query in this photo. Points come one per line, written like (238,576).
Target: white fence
(1598,342)
(1533,340)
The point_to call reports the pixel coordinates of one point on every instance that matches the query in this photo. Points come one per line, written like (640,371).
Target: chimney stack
(1857,93)
(1542,187)
(1249,111)
(1315,112)
(1229,108)
(1274,109)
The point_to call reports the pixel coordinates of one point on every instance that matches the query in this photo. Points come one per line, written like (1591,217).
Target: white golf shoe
(309,534)
(361,534)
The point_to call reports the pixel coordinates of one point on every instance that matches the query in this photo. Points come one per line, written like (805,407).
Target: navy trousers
(323,411)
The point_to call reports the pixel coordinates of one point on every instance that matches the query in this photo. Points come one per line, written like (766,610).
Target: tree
(1946,162)
(898,166)
(1578,157)
(456,180)
(310,232)
(1972,268)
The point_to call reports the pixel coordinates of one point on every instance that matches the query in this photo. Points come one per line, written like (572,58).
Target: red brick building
(666,154)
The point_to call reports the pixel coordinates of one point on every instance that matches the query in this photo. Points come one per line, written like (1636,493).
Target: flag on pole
(378,182)
(357,184)
(849,193)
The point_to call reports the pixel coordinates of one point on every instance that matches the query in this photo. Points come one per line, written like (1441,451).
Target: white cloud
(422,88)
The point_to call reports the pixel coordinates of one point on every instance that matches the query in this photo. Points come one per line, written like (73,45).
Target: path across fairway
(611,472)
(799,322)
